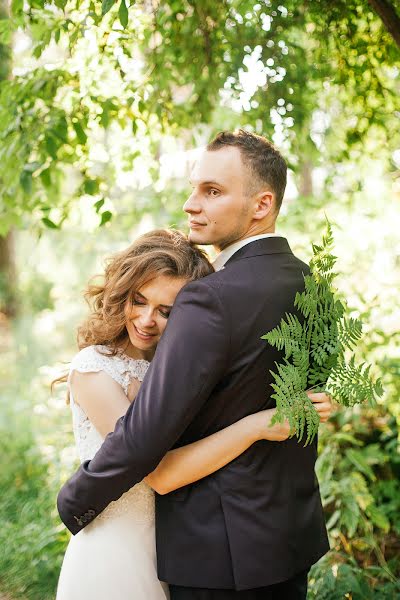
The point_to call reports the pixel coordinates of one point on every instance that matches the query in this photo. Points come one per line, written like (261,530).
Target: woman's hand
(281,431)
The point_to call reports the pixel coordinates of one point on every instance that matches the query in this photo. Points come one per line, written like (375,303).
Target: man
(253,528)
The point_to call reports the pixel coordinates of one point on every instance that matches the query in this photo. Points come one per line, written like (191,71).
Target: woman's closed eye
(139,301)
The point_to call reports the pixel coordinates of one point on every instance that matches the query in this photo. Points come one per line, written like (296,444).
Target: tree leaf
(45,177)
(123,14)
(17,6)
(26,181)
(80,133)
(50,224)
(91,186)
(358,460)
(106,6)
(105,217)
(51,146)
(6,31)
(99,204)
(378,518)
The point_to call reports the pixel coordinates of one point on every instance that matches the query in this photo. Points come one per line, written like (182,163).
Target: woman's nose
(147,318)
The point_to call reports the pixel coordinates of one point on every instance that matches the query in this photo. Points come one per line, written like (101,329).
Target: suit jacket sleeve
(190,359)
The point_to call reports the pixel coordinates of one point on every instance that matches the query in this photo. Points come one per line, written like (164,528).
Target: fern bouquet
(315,346)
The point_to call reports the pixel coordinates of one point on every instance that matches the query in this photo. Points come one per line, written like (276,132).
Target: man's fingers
(319,397)
(324,417)
(323,406)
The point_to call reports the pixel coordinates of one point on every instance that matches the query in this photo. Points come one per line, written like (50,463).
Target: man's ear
(264,204)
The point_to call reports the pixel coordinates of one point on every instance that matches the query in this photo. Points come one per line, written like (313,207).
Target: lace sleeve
(90,360)
(120,367)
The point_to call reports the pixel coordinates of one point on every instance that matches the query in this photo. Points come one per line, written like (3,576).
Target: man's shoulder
(209,285)
(226,281)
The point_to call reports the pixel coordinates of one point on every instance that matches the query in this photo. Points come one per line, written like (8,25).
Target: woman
(115,555)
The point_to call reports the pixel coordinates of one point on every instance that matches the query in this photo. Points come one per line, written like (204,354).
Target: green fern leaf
(314,349)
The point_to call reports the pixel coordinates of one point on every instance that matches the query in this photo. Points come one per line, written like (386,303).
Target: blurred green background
(102,108)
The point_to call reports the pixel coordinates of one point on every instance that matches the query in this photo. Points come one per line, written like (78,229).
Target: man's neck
(252,232)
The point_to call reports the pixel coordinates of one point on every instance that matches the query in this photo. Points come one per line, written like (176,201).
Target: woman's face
(148,310)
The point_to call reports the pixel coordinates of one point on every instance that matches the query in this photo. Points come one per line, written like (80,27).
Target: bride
(115,555)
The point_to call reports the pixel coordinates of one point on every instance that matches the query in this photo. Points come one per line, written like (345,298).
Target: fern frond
(314,349)
(288,336)
(350,331)
(292,403)
(351,384)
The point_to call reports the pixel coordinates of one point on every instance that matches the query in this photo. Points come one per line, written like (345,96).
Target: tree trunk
(389,17)
(305,179)
(8,276)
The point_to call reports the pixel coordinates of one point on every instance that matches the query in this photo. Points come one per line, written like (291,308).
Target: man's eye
(213,192)
(164,314)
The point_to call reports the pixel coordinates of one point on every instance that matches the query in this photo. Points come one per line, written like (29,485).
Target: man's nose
(191,205)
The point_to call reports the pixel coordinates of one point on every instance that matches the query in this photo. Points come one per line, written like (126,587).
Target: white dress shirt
(229,251)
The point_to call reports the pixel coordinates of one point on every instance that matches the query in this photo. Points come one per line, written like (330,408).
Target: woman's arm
(104,402)
(101,398)
(190,463)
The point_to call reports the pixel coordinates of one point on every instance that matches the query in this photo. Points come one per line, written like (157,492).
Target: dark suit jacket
(258,520)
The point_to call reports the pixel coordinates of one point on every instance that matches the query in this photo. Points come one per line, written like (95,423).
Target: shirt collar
(229,251)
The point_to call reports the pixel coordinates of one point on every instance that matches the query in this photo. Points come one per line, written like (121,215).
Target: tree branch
(389,17)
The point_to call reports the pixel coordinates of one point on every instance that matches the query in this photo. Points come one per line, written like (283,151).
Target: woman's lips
(143,336)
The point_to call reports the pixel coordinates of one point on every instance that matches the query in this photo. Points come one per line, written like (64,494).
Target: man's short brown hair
(265,162)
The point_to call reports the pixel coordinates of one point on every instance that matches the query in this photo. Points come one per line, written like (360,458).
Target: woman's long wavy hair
(165,252)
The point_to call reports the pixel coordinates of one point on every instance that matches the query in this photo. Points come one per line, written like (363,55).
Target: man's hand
(281,431)
(322,404)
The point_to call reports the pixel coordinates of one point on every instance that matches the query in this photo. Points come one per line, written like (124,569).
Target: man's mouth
(195,224)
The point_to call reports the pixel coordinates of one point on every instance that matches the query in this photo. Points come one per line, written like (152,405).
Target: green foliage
(170,68)
(358,474)
(30,533)
(314,349)
(326,86)
(347,580)
(35,291)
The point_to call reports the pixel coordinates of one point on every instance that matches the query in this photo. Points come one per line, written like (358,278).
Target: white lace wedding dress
(114,557)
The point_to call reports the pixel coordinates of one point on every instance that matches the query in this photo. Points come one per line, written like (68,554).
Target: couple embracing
(170,392)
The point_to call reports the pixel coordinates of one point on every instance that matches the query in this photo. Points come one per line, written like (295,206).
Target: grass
(31,538)
(35,438)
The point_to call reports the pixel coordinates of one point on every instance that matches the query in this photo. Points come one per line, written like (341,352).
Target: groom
(252,529)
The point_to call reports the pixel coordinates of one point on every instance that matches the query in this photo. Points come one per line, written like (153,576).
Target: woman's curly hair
(160,252)
(165,252)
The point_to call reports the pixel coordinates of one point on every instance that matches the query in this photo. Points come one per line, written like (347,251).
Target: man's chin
(196,238)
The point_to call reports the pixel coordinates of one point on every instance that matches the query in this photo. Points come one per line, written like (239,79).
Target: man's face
(219,211)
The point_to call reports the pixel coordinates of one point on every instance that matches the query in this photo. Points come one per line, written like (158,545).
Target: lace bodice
(122,369)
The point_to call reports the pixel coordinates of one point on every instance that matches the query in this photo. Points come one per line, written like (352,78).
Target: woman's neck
(136,353)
